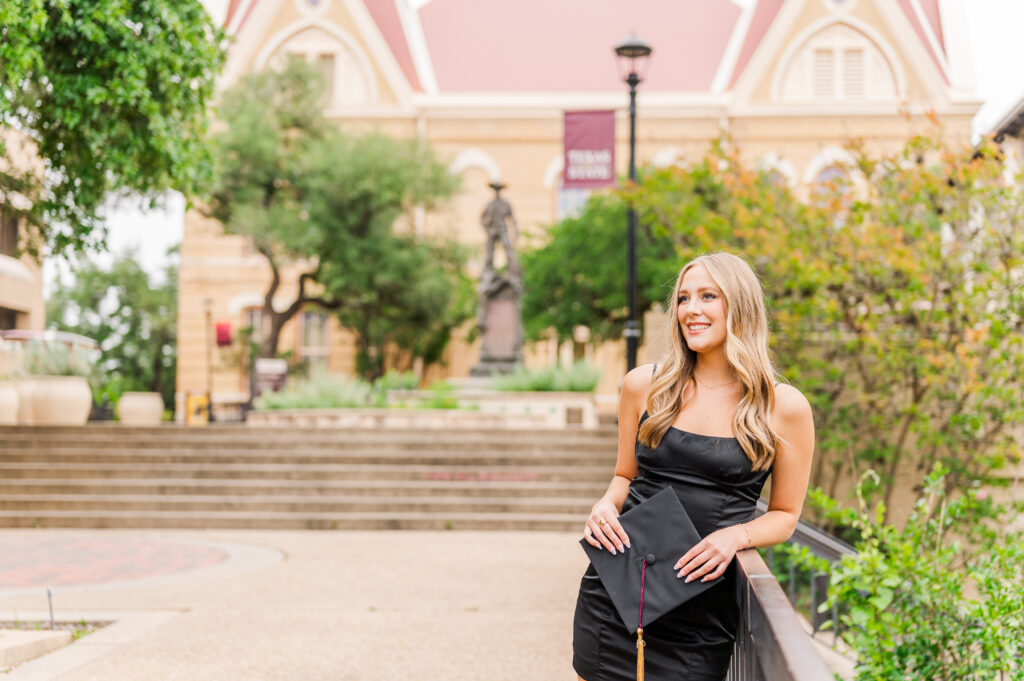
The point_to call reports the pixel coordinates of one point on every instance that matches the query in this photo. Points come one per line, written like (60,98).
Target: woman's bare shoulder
(636,385)
(639,379)
(791,406)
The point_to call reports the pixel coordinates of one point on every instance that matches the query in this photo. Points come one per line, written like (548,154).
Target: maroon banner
(589,149)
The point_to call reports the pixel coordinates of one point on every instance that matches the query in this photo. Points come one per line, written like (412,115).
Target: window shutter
(853,74)
(824,74)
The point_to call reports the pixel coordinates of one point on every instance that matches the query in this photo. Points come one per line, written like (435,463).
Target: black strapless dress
(694,642)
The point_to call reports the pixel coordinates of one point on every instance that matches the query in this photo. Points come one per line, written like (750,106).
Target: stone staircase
(229,476)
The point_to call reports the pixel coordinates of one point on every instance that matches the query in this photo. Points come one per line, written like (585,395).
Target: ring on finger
(602,522)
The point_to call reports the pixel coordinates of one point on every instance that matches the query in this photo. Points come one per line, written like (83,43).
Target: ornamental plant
(940,599)
(894,296)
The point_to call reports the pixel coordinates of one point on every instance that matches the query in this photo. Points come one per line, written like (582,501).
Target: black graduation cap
(642,580)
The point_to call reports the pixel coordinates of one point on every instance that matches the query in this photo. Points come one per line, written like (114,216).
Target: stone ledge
(17,646)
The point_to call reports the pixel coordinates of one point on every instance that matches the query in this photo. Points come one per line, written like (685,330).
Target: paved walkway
(225,605)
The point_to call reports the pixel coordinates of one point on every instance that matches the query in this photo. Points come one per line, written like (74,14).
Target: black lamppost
(633,53)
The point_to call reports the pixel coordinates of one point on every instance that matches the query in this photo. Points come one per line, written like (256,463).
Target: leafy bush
(442,397)
(942,598)
(322,391)
(57,359)
(580,377)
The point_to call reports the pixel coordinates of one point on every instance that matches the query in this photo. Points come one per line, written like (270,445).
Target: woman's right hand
(603,529)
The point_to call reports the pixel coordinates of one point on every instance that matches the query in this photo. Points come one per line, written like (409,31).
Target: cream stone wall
(21,278)
(518,139)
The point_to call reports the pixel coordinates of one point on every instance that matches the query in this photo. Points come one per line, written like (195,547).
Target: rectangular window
(569,202)
(314,348)
(8,234)
(255,320)
(8,319)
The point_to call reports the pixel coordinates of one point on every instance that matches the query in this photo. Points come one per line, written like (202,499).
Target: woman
(710,421)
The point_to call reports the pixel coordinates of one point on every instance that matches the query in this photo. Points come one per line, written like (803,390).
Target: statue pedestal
(501,346)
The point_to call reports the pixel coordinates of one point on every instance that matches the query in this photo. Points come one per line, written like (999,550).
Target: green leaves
(939,599)
(133,318)
(895,307)
(338,206)
(113,97)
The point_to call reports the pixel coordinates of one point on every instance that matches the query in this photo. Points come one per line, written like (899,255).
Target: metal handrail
(823,545)
(771,645)
(820,543)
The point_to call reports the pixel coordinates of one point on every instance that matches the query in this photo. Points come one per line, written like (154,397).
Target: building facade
(485,83)
(21,276)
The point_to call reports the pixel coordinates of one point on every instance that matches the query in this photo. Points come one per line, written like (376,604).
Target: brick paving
(27,561)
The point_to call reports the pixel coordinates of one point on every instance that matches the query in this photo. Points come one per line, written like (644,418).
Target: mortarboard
(642,581)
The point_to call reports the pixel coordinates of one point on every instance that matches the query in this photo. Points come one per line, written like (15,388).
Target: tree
(312,196)
(896,306)
(578,277)
(131,317)
(111,96)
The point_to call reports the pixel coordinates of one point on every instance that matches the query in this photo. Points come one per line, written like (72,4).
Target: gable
(339,37)
(824,53)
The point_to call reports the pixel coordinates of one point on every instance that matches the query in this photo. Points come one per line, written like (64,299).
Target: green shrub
(442,396)
(579,377)
(43,358)
(942,598)
(322,391)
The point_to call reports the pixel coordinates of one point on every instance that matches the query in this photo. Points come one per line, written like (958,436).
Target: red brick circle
(43,562)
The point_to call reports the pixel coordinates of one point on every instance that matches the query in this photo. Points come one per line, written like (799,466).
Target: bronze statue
(498,222)
(498,316)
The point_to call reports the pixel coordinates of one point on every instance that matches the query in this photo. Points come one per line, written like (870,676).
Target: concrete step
(310,488)
(594,472)
(285,437)
(236,430)
(295,521)
(300,456)
(30,503)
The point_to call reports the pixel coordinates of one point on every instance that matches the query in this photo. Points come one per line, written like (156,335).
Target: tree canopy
(562,293)
(311,195)
(111,96)
(895,301)
(131,316)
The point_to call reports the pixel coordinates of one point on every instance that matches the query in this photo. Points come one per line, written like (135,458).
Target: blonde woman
(711,421)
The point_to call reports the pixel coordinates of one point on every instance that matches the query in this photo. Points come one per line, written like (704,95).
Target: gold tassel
(640,654)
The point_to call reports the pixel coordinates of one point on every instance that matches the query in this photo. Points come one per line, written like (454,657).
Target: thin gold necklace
(712,387)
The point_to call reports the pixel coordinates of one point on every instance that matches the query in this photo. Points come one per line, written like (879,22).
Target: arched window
(839,63)
(346,76)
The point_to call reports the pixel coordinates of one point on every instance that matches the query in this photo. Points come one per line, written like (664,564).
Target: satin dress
(713,478)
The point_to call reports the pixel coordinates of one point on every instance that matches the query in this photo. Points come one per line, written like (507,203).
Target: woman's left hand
(711,555)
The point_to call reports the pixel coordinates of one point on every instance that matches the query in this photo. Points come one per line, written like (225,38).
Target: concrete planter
(8,404)
(552,409)
(60,401)
(140,409)
(398,419)
(26,389)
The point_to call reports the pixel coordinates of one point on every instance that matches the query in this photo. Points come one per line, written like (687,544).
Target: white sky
(995,38)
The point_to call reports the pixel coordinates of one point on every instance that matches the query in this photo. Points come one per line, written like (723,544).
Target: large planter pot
(8,404)
(141,409)
(61,401)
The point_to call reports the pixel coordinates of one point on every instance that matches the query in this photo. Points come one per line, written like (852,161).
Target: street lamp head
(633,52)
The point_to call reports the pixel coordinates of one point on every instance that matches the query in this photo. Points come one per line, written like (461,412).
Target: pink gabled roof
(567,45)
(764,15)
(385,15)
(930,9)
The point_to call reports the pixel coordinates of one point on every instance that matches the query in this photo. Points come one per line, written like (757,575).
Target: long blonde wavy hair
(746,348)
